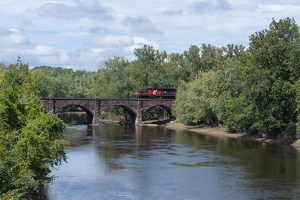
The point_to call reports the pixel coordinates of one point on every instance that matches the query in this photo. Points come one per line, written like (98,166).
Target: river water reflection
(134,162)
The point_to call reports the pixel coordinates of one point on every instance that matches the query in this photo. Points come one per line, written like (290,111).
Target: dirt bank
(217,132)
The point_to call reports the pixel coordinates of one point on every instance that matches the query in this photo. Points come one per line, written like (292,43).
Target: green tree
(59,82)
(192,57)
(234,51)
(195,100)
(229,85)
(211,57)
(30,140)
(118,79)
(147,69)
(239,114)
(178,69)
(270,78)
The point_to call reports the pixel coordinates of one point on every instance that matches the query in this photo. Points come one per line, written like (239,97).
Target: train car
(166,93)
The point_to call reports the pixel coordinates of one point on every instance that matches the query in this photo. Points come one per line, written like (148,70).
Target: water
(134,162)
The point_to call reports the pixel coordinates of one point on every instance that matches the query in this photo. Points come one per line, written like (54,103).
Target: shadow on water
(71,119)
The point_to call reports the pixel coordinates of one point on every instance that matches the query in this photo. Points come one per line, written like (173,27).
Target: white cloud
(211,5)
(112,41)
(141,25)
(41,50)
(80,8)
(81,33)
(97,29)
(60,59)
(279,8)
(96,51)
(14,38)
(138,43)
(173,12)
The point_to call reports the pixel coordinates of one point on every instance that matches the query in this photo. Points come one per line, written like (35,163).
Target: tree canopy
(30,140)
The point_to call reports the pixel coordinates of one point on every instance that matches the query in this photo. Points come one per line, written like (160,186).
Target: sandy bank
(217,132)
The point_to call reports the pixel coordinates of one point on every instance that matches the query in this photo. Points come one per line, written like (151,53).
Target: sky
(81,34)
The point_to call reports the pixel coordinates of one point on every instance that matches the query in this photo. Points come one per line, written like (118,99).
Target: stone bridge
(95,106)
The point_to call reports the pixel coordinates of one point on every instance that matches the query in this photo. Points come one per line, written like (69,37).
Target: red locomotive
(166,93)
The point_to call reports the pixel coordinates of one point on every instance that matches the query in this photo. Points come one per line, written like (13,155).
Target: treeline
(257,92)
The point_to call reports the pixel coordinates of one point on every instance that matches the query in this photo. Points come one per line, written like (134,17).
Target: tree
(192,57)
(211,57)
(146,70)
(270,77)
(234,51)
(177,69)
(30,140)
(229,85)
(195,100)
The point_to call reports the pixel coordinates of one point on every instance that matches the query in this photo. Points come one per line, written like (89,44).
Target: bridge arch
(166,108)
(89,105)
(132,113)
(90,115)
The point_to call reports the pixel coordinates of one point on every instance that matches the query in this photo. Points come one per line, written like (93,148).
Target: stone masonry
(95,106)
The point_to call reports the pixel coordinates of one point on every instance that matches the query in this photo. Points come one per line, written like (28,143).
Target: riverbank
(217,132)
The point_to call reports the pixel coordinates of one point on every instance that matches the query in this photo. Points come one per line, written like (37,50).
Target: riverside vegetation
(30,140)
(254,90)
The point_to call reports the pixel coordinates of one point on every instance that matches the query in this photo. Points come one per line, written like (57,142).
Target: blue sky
(80,34)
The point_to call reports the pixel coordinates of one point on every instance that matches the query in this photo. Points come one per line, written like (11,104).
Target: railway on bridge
(95,106)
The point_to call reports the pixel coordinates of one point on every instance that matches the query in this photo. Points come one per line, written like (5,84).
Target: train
(165,93)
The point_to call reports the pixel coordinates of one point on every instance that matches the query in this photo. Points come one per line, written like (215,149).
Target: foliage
(254,90)
(298,108)
(229,85)
(58,82)
(195,100)
(271,76)
(30,144)
(239,115)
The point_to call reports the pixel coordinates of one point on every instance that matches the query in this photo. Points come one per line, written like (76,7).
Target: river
(138,162)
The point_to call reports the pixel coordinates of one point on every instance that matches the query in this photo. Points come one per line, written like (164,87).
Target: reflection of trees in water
(114,143)
(137,147)
(73,118)
(118,142)
(81,135)
(137,142)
